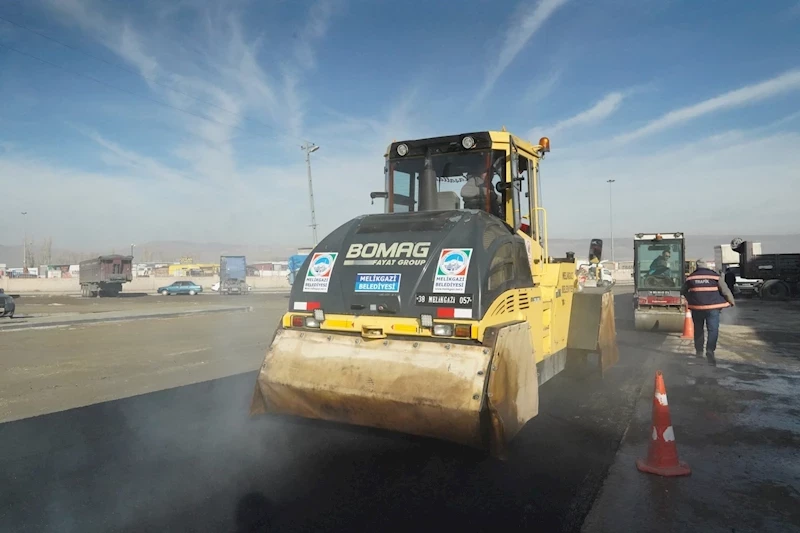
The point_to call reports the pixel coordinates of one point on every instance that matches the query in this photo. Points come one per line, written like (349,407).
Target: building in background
(193,270)
(267,268)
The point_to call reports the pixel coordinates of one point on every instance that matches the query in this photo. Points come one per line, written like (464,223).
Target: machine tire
(775,290)
(165,293)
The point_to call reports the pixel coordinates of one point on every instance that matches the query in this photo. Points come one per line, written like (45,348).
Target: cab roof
(483,140)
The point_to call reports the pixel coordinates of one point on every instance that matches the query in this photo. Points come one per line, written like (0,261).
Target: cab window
(464,180)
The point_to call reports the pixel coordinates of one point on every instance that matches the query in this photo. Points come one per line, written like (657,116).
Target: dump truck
(725,257)
(780,272)
(442,316)
(659,270)
(104,275)
(232,274)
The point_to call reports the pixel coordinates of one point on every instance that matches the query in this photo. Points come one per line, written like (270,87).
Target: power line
(131,93)
(122,67)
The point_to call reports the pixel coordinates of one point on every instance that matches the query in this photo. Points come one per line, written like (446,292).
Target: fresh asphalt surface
(190,459)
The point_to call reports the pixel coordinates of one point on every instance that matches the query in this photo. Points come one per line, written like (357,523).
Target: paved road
(189,458)
(50,370)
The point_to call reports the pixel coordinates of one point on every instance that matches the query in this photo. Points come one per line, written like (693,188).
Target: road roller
(443,315)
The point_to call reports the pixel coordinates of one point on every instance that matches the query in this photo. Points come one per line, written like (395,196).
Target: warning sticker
(451,270)
(378,282)
(319,272)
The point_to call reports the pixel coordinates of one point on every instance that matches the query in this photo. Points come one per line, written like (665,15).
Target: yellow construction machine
(442,316)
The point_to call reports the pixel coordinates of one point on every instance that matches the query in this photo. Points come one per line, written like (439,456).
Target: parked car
(181,287)
(7,305)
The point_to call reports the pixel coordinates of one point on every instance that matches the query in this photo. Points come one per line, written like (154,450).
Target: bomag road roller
(442,316)
(659,270)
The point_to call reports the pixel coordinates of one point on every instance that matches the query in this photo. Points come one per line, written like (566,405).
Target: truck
(434,319)
(725,257)
(232,274)
(104,275)
(295,262)
(659,270)
(780,272)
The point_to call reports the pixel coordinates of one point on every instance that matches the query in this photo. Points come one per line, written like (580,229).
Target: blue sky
(182,120)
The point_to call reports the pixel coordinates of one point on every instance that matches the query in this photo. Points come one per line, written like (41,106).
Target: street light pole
(309,149)
(25,242)
(132,245)
(611,218)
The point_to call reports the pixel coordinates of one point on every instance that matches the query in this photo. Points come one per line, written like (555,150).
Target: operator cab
(468,171)
(659,261)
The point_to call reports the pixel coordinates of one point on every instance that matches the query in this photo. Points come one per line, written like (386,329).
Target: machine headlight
(319,314)
(312,322)
(467,142)
(443,330)
(402,150)
(426,321)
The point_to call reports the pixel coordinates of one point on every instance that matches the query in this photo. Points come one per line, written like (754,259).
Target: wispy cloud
(523,29)
(319,17)
(597,113)
(541,88)
(750,94)
(235,78)
(705,165)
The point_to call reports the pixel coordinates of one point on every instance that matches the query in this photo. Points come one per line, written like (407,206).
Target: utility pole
(132,245)
(309,149)
(611,217)
(25,242)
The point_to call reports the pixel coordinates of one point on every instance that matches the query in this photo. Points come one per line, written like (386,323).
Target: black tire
(192,293)
(165,293)
(775,290)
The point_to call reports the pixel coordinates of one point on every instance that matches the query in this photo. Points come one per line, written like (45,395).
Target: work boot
(711,359)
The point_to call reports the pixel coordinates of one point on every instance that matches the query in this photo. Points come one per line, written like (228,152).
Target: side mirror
(501,187)
(379,194)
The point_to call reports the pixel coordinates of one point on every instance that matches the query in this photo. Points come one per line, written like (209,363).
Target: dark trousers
(709,319)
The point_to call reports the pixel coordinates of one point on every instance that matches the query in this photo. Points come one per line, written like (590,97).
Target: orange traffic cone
(688,325)
(662,456)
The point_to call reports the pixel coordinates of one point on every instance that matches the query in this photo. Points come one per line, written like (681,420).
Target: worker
(707,294)
(730,278)
(474,193)
(660,265)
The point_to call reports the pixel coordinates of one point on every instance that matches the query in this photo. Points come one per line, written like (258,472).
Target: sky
(135,121)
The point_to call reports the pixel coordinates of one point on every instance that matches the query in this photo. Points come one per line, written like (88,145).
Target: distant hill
(697,246)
